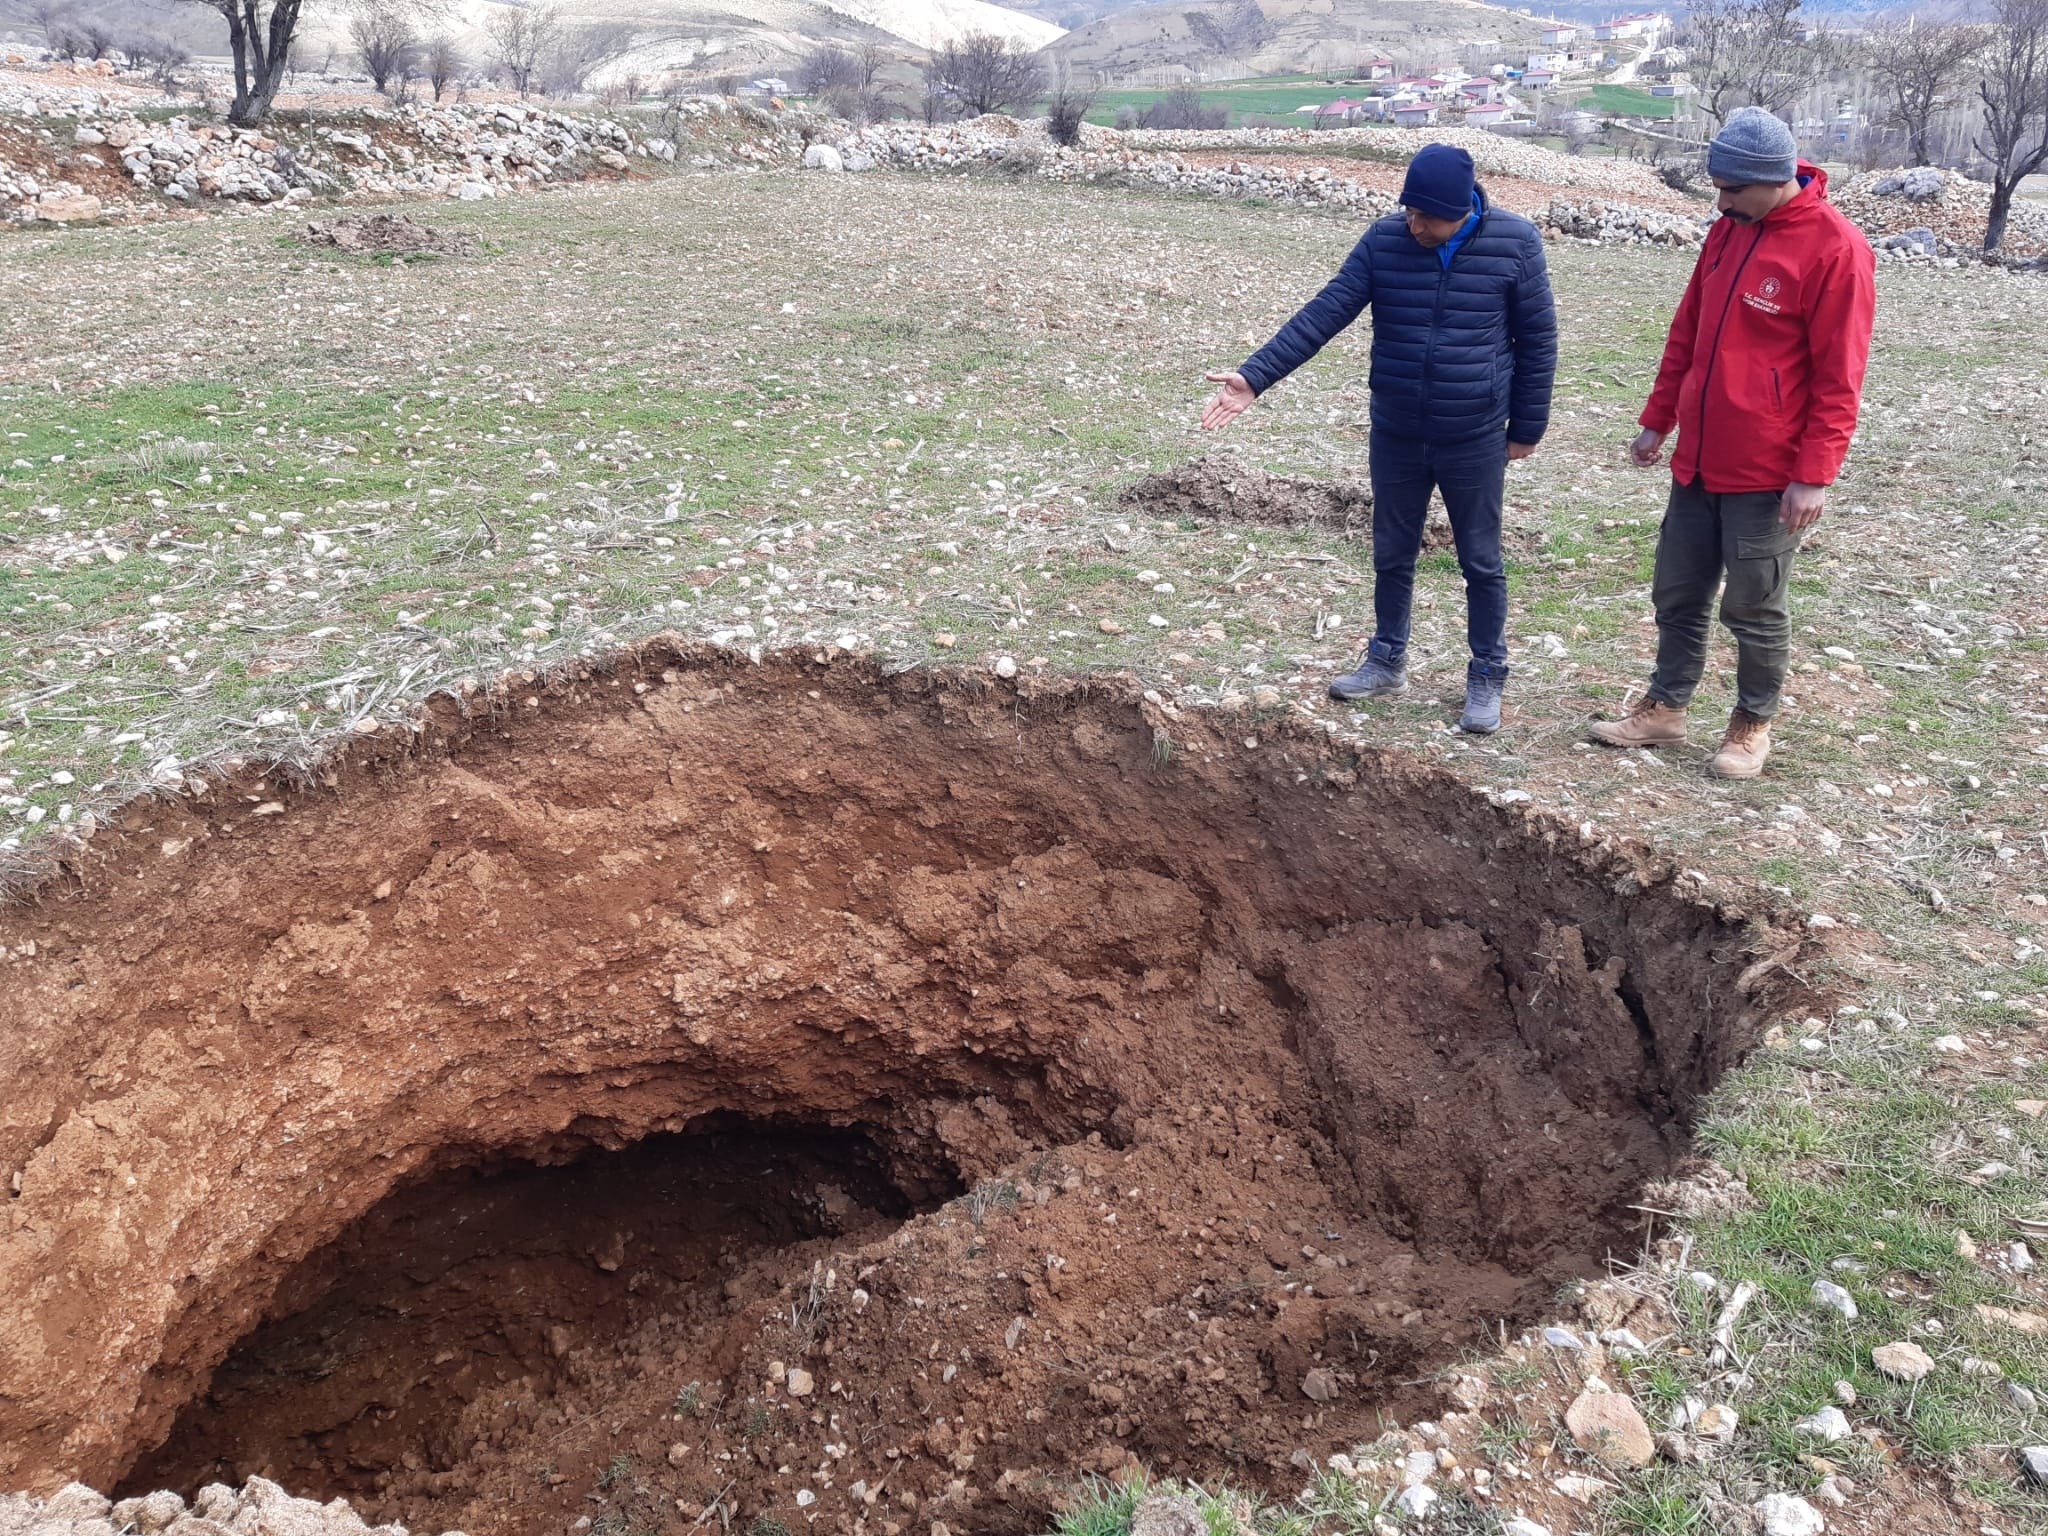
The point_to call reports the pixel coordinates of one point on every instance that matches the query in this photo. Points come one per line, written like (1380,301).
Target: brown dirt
(388,234)
(422,1097)
(1220,488)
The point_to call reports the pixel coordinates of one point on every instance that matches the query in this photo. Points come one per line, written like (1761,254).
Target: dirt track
(1188,1099)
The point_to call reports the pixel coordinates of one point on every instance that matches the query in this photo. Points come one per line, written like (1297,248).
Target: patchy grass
(248,499)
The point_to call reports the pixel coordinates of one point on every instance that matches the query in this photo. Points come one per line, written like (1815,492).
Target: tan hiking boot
(1743,749)
(1649,724)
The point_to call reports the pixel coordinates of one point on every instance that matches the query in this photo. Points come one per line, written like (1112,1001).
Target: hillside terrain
(1235,38)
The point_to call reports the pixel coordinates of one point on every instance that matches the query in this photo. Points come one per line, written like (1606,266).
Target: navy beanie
(1752,146)
(1439,182)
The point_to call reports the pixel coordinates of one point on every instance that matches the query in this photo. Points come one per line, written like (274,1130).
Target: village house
(1558,37)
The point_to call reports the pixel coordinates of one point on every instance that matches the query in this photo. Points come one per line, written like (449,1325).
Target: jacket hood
(1813,192)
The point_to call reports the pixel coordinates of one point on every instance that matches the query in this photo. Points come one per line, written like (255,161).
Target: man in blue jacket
(1464,348)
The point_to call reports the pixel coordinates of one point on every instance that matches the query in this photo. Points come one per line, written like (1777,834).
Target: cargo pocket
(1758,576)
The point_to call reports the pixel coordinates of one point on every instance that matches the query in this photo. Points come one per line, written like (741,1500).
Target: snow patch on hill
(934,23)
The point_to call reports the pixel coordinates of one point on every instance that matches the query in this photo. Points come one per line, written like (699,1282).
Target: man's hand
(1519,450)
(1801,505)
(1647,448)
(1231,400)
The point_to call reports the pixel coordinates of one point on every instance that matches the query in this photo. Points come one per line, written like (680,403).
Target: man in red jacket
(1761,378)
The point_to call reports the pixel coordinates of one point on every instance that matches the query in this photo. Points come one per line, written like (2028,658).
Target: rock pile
(1931,214)
(1609,223)
(463,151)
(261,1508)
(1102,157)
(1491,154)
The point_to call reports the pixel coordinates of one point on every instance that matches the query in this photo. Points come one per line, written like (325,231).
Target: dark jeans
(1705,535)
(1473,478)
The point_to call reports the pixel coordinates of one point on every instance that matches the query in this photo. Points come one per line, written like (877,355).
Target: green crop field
(1633,101)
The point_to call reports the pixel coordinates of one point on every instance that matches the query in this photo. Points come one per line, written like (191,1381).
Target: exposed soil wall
(1274,1073)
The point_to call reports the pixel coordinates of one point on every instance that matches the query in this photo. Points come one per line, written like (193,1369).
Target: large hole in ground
(966,1088)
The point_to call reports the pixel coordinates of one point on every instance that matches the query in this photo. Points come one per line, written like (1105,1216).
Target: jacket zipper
(1714,353)
(1436,319)
(1777,394)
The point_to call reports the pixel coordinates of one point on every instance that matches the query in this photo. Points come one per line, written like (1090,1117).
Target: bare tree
(96,40)
(1183,107)
(828,67)
(985,73)
(567,68)
(1759,53)
(383,37)
(1923,69)
(443,63)
(521,38)
(2014,91)
(935,103)
(260,36)
(1069,107)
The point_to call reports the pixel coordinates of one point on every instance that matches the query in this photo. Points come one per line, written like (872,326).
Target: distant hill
(1239,38)
(706,37)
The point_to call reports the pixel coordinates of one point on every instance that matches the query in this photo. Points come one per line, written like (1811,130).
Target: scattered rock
(68,207)
(1607,1427)
(1581,1490)
(1832,1296)
(1005,666)
(2034,1464)
(799,1383)
(2033,1324)
(1416,1502)
(1168,1515)
(823,157)
(1902,1361)
(1785,1514)
(1521,1525)
(1319,1386)
(1829,1424)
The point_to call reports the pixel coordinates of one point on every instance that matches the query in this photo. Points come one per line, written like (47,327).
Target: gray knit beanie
(1753,146)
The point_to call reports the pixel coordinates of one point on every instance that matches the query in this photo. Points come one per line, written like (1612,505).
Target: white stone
(1828,1424)
(1830,1295)
(1783,1514)
(1416,1502)
(1902,1361)
(823,157)
(1521,1525)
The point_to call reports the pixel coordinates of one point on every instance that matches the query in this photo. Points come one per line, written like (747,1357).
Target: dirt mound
(1220,487)
(721,1093)
(388,234)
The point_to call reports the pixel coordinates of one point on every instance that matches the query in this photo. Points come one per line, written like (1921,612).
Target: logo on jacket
(1766,297)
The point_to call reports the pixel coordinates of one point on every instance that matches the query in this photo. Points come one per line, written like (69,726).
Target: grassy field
(1245,98)
(252,495)
(1628,101)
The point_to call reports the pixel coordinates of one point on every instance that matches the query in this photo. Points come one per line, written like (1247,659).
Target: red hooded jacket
(1763,372)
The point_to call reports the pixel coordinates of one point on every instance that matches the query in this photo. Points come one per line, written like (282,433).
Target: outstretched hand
(1231,400)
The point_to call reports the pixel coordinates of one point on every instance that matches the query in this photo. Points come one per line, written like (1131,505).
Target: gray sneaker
(1382,675)
(1483,688)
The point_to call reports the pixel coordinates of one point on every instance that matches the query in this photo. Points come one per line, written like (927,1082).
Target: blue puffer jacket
(1456,351)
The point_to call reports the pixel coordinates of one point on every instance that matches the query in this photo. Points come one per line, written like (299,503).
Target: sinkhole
(681,1090)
